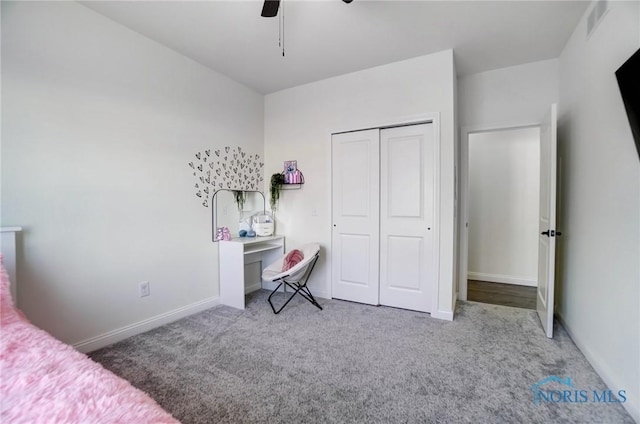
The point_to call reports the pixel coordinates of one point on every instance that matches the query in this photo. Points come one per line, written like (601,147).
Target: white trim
(423,118)
(254,287)
(9,253)
(601,369)
(329,201)
(437,220)
(321,294)
(444,315)
(463,259)
(127,331)
(270,285)
(506,279)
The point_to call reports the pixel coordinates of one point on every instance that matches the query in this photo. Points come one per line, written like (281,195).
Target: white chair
(296,278)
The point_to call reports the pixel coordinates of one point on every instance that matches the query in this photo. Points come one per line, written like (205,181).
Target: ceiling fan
(270,8)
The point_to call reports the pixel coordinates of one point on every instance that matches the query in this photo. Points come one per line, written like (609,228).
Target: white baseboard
(122,333)
(444,315)
(506,279)
(321,294)
(602,369)
(269,285)
(252,288)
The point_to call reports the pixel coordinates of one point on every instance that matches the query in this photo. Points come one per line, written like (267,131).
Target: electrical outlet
(144,288)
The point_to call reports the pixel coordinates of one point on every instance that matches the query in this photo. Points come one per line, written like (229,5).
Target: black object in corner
(629,83)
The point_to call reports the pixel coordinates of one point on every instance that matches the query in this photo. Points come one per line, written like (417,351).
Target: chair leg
(304,292)
(288,300)
(269,299)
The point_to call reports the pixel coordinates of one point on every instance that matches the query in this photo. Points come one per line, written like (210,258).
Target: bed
(43,380)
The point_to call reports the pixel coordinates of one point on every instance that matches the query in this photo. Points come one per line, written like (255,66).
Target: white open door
(547,223)
(355,243)
(407,210)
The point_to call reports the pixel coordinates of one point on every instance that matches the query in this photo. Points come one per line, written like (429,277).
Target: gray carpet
(354,363)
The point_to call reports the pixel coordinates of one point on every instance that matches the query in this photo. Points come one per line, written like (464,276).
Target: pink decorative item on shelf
(290,168)
(292,174)
(223,234)
(296,177)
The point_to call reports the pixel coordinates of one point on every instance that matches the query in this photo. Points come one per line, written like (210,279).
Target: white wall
(99,124)
(299,123)
(517,95)
(599,290)
(504,171)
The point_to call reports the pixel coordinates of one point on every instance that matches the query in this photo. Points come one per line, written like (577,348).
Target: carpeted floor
(354,363)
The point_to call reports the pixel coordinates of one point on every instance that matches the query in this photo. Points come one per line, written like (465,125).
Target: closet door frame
(426,118)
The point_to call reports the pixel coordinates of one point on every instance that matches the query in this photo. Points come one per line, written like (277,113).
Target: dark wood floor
(502,294)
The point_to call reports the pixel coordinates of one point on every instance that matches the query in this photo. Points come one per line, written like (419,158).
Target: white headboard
(8,248)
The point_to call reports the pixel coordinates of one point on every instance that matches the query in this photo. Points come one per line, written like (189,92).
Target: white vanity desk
(240,260)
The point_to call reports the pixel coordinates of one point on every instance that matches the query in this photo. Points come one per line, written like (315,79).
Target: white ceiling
(328,38)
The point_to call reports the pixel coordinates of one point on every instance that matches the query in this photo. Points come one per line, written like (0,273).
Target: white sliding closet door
(407,211)
(356,216)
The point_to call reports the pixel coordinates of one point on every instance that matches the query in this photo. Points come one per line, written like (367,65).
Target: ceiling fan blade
(270,8)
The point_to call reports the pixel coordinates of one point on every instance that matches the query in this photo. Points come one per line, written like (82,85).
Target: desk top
(10,229)
(250,240)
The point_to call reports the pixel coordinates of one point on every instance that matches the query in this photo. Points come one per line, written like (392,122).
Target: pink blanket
(43,380)
(292,259)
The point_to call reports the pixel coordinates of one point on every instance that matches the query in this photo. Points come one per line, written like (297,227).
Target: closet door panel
(355,245)
(404,178)
(407,170)
(354,265)
(404,257)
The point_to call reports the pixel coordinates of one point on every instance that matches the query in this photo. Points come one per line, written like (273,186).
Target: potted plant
(276,181)
(239,198)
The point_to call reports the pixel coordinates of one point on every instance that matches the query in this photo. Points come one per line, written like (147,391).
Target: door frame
(425,118)
(463,254)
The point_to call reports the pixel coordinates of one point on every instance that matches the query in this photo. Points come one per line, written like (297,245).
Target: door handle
(551,233)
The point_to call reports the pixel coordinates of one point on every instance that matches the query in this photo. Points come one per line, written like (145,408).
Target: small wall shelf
(293,186)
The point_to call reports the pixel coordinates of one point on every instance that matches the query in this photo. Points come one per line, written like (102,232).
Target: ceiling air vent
(597,12)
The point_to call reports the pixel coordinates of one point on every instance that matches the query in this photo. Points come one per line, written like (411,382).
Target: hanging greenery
(239,198)
(276,181)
